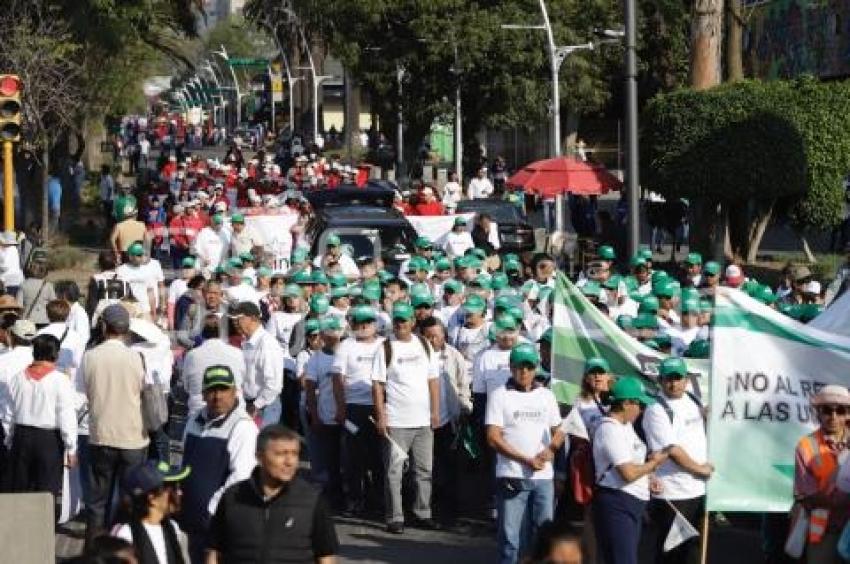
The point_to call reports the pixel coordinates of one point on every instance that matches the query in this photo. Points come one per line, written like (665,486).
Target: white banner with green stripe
(765,369)
(581,331)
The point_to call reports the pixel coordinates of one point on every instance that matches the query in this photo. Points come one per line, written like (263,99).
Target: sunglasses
(833,410)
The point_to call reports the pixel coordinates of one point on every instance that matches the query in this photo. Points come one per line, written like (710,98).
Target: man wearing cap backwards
(211,245)
(112,376)
(817,459)
(674,424)
(264,361)
(244,238)
(352,392)
(220,443)
(458,240)
(275,512)
(145,277)
(406,395)
(523,423)
(334,260)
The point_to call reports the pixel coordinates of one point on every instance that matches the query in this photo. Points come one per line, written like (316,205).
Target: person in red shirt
(363,172)
(428,204)
(402,205)
(182,230)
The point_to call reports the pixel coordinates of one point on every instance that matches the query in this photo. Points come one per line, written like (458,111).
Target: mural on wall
(787,38)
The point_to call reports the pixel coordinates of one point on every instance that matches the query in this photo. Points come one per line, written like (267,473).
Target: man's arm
(272,369)
(339,397)
(434,396)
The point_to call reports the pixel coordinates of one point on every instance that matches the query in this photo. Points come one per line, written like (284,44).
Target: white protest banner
(765,369)
(275,228)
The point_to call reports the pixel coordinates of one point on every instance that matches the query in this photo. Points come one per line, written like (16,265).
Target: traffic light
(10,107)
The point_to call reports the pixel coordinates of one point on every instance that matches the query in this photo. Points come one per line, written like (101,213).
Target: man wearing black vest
(275,516)
(221,443)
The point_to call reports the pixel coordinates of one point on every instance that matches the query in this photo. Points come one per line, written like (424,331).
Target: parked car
(516,234)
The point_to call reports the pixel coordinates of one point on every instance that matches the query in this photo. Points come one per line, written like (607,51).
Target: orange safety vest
(822,462)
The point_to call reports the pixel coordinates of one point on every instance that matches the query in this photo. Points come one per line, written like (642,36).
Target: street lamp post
(632,171)
(317,80)
(556,58)
(399,153)
(223,55)
(290,80)
(208,67)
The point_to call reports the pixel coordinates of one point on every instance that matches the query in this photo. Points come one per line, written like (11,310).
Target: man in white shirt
(244,239)
(40,416)
(10,263)
(406,394)
(211,245)
(144,277)
(214,350)
(179,286)
(452,191)
(491,369)
(458,240)
(264,361)
(334,260)
(352,372)
(480,187)
(523,427)
(675,424)
(71,345)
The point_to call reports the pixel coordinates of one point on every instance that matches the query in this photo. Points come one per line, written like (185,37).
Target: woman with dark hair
(35,292)
(153,495)
(556,545)
(622,474)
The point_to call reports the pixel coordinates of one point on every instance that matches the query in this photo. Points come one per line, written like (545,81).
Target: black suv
(363,219)
(515,232)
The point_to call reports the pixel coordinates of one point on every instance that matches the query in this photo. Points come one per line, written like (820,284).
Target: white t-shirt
(318,370)
(141,279)
(156,536)
(281,324)
(614,444)
(346,265)
(406,379)
(452,193)
(354,359)
(176,289)
(526,419)
(457,243)
(491,370)
(591,415)
(470,342)
(687,431)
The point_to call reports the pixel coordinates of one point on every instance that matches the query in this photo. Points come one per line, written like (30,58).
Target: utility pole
(399,153)
(632,170)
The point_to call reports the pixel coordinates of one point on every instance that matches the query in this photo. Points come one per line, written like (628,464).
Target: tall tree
(706,43)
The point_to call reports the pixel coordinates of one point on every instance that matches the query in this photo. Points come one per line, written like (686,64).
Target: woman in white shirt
(595,386)
(622,474)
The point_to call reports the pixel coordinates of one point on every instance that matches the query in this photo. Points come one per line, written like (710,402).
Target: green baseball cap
(217,219)
(690,306)
(649,304)
(645,321)
(331,323)
(671,367)
(452,286)
(596,364)
(699,348)
(362,314)
(512,266)
(517,313)
(136,249)
(665,289)
(319,277)
(292,291)
(319,304)
(337,280)
(693,258)
(333,240)
(264,272)
(312,326)
(659,276)
(460,220)
(416,264)
(606,252)
(339,292)
(246,257)
(419,288)
(630,388)
(474,304)
(218,376)
(402,311)
(524,353)
(188,262)
(442,264)
(385,276)
(237,218)
(637,261)
(613,282)
(371,292)
(419,300)
(499,281)
(690,293)
(645,253)
(505,322)
(234,263)
(302,277)
(480,254)
(711,267)
(422,243)
(482,281)
(504,302)
(765,294)
(591,288)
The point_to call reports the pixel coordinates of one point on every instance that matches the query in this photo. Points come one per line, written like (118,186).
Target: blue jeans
(523,506)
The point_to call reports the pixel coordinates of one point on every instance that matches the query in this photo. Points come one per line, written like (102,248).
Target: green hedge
(784,140)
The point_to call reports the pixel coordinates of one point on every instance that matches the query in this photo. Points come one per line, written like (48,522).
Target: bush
(781,140)
(66,258)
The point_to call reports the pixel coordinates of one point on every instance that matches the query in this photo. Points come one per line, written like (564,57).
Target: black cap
(218,376)
(244,308)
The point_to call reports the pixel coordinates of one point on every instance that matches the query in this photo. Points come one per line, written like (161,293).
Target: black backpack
(112,288)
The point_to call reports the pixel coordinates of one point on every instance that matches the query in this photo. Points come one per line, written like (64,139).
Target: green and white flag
(765,369)
(581,331)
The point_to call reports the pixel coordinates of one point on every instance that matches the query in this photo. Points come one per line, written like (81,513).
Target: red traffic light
(9,85)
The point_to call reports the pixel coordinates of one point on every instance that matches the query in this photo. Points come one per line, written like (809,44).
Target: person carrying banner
(675,424)
(817,459)
(622,474)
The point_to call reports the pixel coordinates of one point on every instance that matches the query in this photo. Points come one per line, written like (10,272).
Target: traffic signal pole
(8,188)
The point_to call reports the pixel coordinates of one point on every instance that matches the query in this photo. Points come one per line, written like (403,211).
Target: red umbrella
(565,174)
